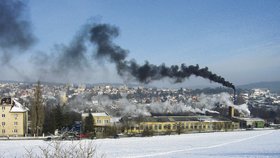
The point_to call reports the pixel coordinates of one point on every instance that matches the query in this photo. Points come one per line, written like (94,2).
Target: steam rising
(124,107)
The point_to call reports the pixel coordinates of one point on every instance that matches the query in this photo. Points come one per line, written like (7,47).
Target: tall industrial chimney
(234,97)
(231,111)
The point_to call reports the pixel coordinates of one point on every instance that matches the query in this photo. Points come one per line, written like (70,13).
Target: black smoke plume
(72,56)
(102,36)
(16,37)
(15,31)
(66,59)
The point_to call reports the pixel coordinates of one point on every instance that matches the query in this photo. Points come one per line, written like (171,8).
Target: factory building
(189,124)
(178,124)
(246,122)
(250,122)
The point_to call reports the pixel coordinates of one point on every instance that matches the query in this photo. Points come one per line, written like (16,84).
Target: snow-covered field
(243,144)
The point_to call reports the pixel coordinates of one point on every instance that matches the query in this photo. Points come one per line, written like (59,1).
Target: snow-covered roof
(18,107)
(249,118)
(115,119)
(95,114)
(100,114)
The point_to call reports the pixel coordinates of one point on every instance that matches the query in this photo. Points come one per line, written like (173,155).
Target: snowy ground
(243,144)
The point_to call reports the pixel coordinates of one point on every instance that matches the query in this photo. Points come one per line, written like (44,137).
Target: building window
(3,115)
(159,127)
(15,130)
(146,127)
(15,123)
(3,131)
(182,126)
(3,108)
(15,115)
(106,121)
(3,123)
(99,121)
(156,127)
(168,126)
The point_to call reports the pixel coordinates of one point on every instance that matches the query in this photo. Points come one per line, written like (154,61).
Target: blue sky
(236,39)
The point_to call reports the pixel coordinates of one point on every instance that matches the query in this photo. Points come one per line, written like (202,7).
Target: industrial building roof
(176,119)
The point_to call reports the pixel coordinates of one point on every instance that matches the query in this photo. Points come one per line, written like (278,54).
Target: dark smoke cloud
(15,31)
(15,34)
(102,36)
(72,56)
(65,60)
(16,37)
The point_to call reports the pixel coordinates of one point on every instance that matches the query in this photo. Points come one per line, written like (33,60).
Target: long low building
(179,124)
(248,122)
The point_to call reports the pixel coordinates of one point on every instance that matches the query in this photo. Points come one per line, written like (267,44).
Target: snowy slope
(247,144)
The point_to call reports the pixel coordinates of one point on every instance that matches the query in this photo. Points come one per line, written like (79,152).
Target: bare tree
(37,111)
(58,149)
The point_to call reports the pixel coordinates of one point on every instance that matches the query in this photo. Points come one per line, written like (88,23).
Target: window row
(170,126)
(100,121)
(14,131)
(4,123)
(15,115)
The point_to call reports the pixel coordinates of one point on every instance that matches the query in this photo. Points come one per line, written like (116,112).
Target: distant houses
(14,118)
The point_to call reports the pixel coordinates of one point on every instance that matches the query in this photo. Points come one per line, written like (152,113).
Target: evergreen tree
(58,115)
(70,117)
(49,126)
(89,123)
(37,111)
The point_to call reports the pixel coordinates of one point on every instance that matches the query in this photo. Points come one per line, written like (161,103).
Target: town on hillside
(68,111)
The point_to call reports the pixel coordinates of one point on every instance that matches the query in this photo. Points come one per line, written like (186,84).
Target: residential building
(101,120)
(13,118)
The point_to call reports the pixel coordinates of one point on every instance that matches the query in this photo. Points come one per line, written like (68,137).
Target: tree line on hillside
(46,119)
